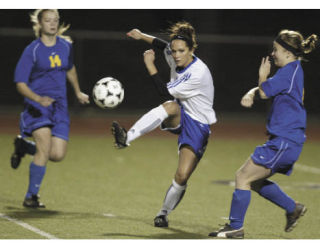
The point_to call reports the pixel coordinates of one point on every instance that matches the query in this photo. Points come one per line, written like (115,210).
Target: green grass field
(99,192)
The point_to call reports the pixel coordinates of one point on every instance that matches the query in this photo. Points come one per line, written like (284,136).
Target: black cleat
(18,152)
(228,232)
(33,202)
(161,221)
(292,218)
(120,135)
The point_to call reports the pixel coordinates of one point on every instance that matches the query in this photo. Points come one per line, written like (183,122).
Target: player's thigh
(250,172)
(174,112)
(58,149)
(187,164)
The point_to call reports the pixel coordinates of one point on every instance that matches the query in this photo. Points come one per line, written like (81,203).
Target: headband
(181,37)
(295,51)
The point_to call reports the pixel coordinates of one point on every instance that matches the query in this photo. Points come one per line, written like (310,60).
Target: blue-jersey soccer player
(286,129)
(40,77)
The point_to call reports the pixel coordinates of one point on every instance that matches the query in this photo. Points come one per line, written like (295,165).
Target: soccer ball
(108,93)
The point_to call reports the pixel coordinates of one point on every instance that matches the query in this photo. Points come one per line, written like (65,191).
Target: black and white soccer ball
(108,93)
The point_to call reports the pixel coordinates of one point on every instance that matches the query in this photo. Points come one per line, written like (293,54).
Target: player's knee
(181,178)
(241,179)
(57,156)
(171,107)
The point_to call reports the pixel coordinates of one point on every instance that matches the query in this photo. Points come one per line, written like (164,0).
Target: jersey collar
(195,58)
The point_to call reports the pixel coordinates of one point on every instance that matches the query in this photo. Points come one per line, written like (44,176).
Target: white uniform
(193,87)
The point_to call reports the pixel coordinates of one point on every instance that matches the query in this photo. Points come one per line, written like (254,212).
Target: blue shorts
(278,154)
(192,133)
(55,116)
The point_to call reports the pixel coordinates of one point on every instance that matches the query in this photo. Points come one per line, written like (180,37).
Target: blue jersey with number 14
(44,68)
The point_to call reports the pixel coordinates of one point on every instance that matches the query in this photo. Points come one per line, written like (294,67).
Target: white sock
(173,197)
(147,123)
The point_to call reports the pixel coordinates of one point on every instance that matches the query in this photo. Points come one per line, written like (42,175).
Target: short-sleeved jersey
(193,87)
(44,68)
(287,117)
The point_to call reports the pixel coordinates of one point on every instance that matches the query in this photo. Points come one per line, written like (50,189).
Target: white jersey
(193,87)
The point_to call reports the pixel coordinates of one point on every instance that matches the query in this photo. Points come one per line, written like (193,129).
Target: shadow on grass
(176,234)
(172,233)
(29,213)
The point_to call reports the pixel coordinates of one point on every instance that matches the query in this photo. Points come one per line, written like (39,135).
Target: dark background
(233,63)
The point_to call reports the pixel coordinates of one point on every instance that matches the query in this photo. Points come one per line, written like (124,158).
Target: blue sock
(240,202)
(272,192)
(36,175)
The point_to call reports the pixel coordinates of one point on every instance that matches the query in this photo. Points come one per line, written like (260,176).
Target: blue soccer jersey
(287,117)
(44,68)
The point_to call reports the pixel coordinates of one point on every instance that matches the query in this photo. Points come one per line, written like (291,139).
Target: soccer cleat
(228,232)
(18,152)
(33,202)
(292,218)
(120,135)
(161,221)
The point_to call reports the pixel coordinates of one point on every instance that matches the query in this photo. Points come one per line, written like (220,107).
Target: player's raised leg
(145,124)
(272,192)
(58,149)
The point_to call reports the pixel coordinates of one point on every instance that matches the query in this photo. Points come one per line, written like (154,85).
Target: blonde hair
(35,19)
(295,39)
(186,30)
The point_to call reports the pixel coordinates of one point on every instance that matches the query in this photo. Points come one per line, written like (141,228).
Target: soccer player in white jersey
(189,115)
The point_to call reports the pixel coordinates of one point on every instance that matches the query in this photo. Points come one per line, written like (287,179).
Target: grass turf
(99,192)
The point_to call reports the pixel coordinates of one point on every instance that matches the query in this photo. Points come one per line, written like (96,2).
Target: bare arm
(73,79)
(138,35)
(248,99)
(25,91)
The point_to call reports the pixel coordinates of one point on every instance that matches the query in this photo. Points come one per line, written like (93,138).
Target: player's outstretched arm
(73,79)
(156,42)
(248,99)
(138,35)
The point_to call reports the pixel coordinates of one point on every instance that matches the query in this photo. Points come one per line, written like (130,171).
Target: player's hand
(135,34)
(265,67)
(83,98)
(247,100)
(45,101)
(149,57)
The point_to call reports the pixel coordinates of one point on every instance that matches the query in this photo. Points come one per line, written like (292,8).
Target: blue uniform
(44,70)
(286,121)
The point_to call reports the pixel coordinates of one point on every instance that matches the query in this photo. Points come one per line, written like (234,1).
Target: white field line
(307,168)
(28,227)
(108,215)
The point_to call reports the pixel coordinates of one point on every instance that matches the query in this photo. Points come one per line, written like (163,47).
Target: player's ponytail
(184,31)
(310,43)
(35,19)
(294,42)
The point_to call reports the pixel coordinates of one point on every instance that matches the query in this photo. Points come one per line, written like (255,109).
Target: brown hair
(186,30)
(296,40)
(35,18)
